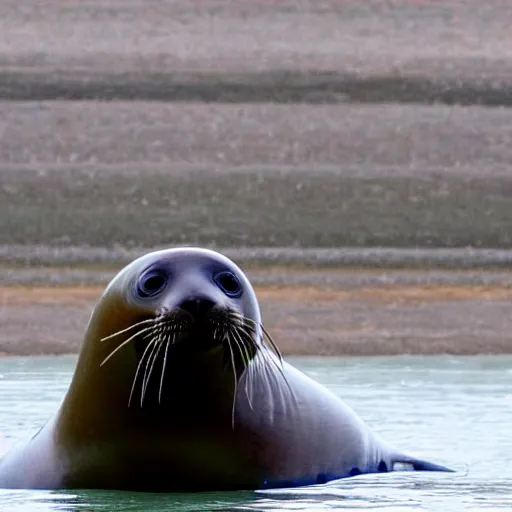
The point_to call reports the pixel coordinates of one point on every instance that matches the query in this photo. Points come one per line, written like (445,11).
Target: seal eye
(151,283)
(229,284)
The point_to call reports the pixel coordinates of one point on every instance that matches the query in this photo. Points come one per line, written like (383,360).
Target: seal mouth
(202,329)
(158,339)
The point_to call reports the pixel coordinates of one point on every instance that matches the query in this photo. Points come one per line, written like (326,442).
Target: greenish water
(455,411)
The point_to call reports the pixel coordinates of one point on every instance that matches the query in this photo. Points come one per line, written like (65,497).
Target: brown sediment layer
(302,319)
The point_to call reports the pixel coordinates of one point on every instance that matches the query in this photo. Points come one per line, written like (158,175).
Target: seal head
(192,302)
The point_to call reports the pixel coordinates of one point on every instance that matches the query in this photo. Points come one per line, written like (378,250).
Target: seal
(178,387)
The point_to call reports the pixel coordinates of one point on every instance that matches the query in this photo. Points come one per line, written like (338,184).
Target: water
(455,411)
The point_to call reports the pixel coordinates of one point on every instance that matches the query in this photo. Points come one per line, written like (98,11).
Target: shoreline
(393,316)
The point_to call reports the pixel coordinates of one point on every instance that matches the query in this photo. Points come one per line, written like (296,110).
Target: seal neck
(198,385)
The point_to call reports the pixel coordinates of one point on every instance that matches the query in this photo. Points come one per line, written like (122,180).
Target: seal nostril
(197,307)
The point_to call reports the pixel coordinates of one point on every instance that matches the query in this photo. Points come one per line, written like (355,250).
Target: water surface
(454,411)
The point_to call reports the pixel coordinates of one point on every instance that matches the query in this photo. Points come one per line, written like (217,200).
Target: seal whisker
(160,343)
(263,374)
(253,325)
(244,355)
(139,366)
(248,368)
(245,338)
(119,347)
(249,388)
(272,343)
(150,320)
(149,366)
(164,364)
(250,333)
(268,358)
(247,342)
(235,377)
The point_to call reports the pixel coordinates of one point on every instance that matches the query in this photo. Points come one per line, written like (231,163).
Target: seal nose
(197,307)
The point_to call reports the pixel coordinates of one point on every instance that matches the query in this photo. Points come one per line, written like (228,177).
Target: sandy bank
(373,317)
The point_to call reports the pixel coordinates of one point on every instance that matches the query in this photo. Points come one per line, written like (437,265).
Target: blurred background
(354,158)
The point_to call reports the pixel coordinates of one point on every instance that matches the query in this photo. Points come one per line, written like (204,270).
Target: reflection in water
(457,411)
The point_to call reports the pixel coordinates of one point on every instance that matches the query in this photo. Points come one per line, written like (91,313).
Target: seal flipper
(405,463)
